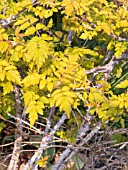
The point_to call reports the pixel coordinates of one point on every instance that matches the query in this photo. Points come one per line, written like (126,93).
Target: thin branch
(1,146)
(26,123)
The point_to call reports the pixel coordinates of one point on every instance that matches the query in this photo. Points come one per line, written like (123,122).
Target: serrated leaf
(30,106)
(31,80)
(33,116)
(13,76)
(39,109)
(38,51)
(65,106)
(7,87)
(28,96)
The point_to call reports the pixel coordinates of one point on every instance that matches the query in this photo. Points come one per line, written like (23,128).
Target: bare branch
(17,145)
(80,141)
(107,69)
(44,143)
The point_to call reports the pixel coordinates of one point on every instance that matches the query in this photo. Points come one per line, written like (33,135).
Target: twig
(1,146)
(24,122)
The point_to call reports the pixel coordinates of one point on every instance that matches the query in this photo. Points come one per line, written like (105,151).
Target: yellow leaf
(59,34)
(39,26)
(39,110)
(17,31)
(2,75)
(33,116)
(50,86)
(123,84)
(70,6)
(69,93)
(114,103)
(85,96)
(30,106)
(13,75)
(31,80)
(65,88)
(7,87)
(66,106)
(91,98)
(40,104)
(42,84)
(28,96)
(46,37)
(44,100)
(43,161)
(24,26)
(30,30)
